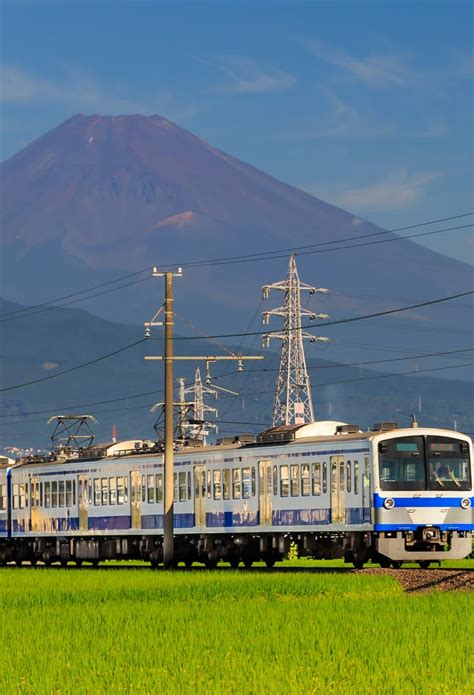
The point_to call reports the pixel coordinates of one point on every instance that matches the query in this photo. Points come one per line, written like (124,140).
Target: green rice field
(121,630)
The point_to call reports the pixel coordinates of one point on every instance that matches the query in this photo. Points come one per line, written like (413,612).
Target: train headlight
(389,503)
(465,503)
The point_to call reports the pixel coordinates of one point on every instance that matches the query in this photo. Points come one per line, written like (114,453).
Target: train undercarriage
(389,549)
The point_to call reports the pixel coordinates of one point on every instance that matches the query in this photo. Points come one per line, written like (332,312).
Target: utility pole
(292,402)
(169,358)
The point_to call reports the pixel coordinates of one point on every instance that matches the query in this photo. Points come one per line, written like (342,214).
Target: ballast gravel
(422,581)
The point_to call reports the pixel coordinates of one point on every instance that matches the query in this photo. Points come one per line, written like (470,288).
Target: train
(389,495)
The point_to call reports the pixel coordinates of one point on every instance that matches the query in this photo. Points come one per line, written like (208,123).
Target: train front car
(422,496)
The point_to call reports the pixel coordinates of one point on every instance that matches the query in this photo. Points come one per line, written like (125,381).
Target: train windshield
(421,463)
(448,464)
(402,464)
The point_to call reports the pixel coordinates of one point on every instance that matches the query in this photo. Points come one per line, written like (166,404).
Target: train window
(275,480)
(209,484)
(54,493)
(159,488)
(26,494)
(112,490)
(366,474)
(203,484)
(104,491)
(91,491)
(254,481)
(305,481)
(175,487)
(41,494)
(96,491)
(69,501)
(125,489)
(236,483)
(47,495)
(61,496)
(295,480)
(356,477)
(3,498)
(316,473)
(182,487)
(325,477)
(349,476)
(217,485)
(73,492)
(226,487)
(246,483)
(143,489)
(284,481)
(150,485)
(120,490)
(16,502)
(190,487)
(21,496)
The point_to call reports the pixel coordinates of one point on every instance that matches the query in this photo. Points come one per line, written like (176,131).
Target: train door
(338,506)
(34,504)
(265,492)
(83,502)
(199,496)
(136,498)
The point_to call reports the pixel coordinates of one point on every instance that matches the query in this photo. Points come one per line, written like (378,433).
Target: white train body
(391,496)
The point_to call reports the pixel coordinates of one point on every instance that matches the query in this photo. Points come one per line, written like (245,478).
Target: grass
(102,631)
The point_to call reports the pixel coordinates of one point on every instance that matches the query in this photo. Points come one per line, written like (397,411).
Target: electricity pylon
(196,422)
(292,402)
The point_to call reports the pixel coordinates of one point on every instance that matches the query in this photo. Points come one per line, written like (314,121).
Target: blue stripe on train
(420,501)
(231,519)
(413,527)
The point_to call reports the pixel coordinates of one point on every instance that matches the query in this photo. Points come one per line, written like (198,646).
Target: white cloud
(343,120)
(79,90)
(376,70)
(398,191)
(245,76)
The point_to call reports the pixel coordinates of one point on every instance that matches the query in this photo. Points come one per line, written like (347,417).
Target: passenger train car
(389,495)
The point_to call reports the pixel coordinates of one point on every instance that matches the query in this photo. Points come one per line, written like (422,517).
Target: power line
(267,254)
(346,320)
(73,369)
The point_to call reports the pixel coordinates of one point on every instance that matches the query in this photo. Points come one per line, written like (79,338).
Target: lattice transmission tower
(292,402)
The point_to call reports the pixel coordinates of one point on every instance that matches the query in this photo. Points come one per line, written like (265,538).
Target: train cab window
(236,483)
(190,487)
(316,473)
(325,477)
(246,483)
(69,501)
(54,493)
(295,480)
(175,487)
(305,480)
(217,484)
(209,485)
(356,477)
(284,482)
(448,464)
(159,488)
(254,481)
(112,490)
(150,486)
(402,463)
(226,486)
(182,486)
(275,480)
(47,495)
(3,498)
(349,476)
(61,494)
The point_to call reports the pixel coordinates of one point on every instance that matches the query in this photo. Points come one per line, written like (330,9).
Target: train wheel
(234,562)
(78,563)
(384,562)
(33,561)
(358,564)
(18,562)
(188,563)
(396,564)
(424,564)
(95,562)
(248,562)
(64,563)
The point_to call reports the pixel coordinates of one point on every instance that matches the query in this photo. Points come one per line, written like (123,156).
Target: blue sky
(367,105)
